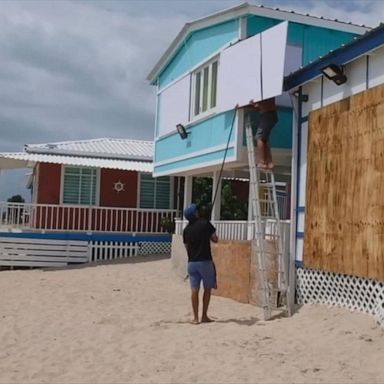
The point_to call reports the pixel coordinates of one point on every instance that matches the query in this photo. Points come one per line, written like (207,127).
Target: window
(205,89)
(154,192)
(79,185)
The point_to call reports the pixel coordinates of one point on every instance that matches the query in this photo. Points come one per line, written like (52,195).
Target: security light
(182,131)
(335,73)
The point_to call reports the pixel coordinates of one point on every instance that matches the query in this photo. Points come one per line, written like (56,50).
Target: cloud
(76,69)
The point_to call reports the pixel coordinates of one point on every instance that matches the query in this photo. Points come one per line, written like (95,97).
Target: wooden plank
(33,258)
(16,263)
(344,226)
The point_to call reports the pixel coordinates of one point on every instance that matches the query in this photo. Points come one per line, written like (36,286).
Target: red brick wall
(111,198)
(49,183)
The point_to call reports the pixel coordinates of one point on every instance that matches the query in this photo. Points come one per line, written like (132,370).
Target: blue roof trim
(340,56)
(90,237)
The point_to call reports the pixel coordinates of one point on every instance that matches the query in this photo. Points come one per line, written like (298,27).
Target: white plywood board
(252,69)
(293,61)
(239,74)
(174,106)
(273,46)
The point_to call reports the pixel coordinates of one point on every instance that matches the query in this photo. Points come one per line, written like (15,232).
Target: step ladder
(263,208)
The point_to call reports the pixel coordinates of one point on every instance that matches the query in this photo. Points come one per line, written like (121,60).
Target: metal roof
(359,46)
(131,155)
(109,148)
(248,9)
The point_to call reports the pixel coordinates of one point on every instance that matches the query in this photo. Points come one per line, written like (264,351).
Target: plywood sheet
(344,227)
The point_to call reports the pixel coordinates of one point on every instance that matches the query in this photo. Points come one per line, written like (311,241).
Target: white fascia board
(243,10)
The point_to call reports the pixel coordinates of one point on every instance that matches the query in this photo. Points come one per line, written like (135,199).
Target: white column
(216,183)
(187,191)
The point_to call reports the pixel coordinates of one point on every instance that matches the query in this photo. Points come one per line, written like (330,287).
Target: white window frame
(97,195)
(205,72)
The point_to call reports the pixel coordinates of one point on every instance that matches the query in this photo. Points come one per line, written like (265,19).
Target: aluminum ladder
(262,209)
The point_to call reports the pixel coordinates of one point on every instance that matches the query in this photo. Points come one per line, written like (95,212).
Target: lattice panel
(153,248)
(354,293)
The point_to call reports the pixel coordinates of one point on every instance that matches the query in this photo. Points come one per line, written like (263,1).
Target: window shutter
(79,186)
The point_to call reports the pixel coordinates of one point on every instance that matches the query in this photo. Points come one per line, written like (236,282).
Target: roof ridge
(89,141)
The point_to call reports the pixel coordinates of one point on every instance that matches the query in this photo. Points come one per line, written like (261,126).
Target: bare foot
(194,321)
(262,166)
(206,320)
(270,166)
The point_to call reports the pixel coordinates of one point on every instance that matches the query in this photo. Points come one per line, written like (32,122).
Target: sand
(129,323)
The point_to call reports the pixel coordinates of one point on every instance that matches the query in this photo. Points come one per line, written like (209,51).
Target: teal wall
(281,135)
(195,161)
(315,41)
(197,47)
(209,133)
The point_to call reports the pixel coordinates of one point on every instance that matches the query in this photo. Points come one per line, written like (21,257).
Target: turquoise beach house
(190,85)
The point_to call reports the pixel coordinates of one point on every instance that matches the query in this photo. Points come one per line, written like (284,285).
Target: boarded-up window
(154,192)
(344,227)
(79,185)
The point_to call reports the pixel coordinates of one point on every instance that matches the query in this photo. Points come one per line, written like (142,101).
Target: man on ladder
(268,119)
(261,174)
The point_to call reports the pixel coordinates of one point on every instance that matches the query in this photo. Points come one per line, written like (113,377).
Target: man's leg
(195,305)
(206,299)
(263,150)
(269,156)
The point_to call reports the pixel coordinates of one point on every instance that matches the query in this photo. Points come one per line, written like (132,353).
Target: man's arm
(214,238)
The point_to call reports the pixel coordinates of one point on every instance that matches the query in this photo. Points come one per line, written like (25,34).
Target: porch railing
(242,230)
(51,217)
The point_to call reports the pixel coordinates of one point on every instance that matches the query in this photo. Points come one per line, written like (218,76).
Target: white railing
(52,217)
(243,230)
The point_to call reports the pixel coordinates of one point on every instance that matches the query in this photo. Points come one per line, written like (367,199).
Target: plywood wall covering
(344,227)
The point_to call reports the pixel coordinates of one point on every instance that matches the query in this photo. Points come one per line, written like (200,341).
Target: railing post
(89,218)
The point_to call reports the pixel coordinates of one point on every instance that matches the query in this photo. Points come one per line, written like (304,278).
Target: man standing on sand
(268,119)
(197,236)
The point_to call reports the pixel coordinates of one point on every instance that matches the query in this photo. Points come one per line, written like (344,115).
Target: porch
(26,217)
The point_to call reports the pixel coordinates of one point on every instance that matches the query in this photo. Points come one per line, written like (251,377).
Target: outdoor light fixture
(301,97)
(335,73)
(182,131)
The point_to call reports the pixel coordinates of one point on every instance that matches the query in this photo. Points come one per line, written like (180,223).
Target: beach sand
(129,323)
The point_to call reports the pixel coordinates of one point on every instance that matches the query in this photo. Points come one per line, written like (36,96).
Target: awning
(27,160)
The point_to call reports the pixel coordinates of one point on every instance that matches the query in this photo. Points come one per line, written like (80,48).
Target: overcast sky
(76,69)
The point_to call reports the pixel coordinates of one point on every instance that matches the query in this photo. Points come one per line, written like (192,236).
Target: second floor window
(205,89)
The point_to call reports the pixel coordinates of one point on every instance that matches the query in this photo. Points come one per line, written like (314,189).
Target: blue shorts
(202,270)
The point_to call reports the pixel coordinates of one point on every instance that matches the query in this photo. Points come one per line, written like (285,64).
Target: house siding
(197,47)
(109,197)
(314,40)
(204,136)
(49,183)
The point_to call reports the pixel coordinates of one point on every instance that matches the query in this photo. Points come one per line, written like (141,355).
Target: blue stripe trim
(299,235)
(340,56)
(90,237)
(303,119)
(299,264)
(300,209)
